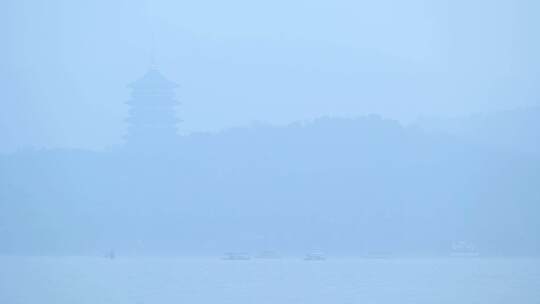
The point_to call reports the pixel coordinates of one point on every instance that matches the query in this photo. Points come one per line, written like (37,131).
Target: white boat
(315,256)
(464,249)
(236,256)
(378,255)
(268,255)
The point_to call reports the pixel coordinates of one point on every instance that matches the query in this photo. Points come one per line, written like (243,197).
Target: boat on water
(111,255)
(268,255)
(315,256)
(464,249)
(378,255)
(236,256)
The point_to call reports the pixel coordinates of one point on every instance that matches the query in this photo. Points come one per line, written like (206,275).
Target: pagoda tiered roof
(153,80)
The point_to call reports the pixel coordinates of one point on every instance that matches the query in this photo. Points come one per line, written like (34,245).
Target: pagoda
(152,117)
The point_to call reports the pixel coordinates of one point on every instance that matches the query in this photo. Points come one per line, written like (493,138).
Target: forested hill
(347,186)
(516,131)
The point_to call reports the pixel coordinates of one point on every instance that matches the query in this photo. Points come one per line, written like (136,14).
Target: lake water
(80,280)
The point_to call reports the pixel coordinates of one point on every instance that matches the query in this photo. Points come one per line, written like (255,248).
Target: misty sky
(65,65)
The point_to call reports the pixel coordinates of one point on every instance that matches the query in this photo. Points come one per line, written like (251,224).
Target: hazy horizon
(69,63)
(321,151)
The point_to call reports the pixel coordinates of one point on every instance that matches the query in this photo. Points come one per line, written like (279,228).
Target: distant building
(152,116)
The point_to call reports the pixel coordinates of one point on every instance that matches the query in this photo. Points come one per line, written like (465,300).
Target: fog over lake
(281,152)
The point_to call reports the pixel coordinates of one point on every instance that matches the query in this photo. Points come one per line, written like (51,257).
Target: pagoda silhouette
(152,117)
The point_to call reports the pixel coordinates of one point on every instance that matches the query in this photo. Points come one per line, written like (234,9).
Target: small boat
(315,256)
(110,255)
(378,255)
(236,256)
(464,250)
(268,255)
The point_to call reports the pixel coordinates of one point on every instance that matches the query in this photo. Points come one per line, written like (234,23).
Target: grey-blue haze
(67,62)
(397,142)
